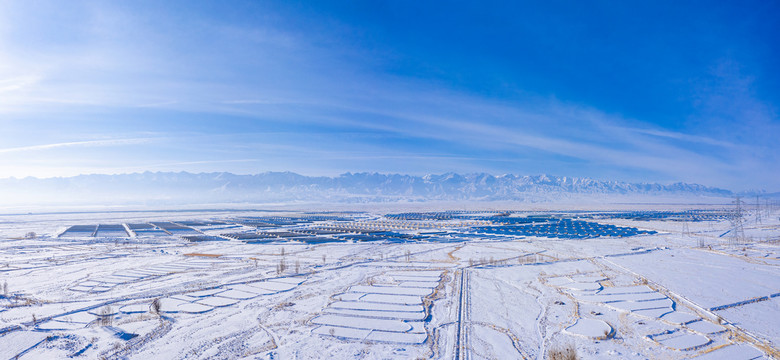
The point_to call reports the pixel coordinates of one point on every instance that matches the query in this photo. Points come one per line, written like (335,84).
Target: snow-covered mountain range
(184,187)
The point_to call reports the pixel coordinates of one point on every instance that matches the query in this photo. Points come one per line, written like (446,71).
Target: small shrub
(283,305)
(565,352)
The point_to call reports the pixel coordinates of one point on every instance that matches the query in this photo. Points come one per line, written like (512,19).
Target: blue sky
(647,92)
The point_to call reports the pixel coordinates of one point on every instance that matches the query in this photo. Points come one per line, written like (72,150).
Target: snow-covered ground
(433,288)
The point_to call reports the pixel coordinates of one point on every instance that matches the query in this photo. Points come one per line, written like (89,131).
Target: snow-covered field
(337,285)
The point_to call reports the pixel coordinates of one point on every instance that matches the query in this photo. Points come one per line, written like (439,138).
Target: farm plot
(384,313)
(105,283)
(694,273)
(72,321)
(591,328)
(16,343)
(760,318)
(685,331)
(201,301)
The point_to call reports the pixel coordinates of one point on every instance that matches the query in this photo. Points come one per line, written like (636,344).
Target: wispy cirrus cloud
(259,92)
(18,83)
(72,144)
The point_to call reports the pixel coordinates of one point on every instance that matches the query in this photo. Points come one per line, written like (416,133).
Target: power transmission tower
(686,233)
(738,231)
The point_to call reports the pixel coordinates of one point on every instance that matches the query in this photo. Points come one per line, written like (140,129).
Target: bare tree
(324,259)
(281,266)
(156,308)
(106,316)
(5,288)
(297,266)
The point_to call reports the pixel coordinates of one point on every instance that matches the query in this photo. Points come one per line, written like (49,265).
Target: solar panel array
(449,226)
(688,215)
(563,229)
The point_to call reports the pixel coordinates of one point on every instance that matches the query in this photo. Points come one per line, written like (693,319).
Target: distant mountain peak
(225,187)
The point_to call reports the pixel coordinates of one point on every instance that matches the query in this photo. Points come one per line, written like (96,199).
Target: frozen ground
(174,285)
